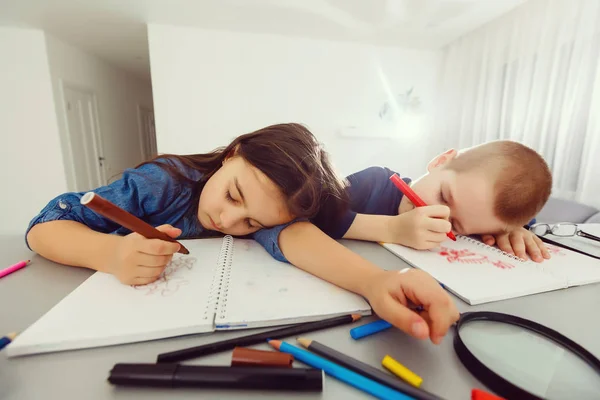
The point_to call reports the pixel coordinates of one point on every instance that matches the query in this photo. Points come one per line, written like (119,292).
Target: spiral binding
(490,248)
(538,266)
(219,288)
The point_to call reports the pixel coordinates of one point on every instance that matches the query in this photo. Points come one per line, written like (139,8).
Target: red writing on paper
(466,256)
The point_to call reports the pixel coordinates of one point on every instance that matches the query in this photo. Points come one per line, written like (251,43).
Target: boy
(492,189)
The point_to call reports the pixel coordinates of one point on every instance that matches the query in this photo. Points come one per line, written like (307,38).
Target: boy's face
(469,195)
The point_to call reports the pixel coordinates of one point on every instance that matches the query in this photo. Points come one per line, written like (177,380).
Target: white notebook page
(265,292)
(478,273)
(577,269)
(102,311)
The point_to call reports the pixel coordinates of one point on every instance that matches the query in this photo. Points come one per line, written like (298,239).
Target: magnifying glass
(521,359)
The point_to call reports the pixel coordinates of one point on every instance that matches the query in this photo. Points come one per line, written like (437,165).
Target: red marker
(478,394)
(412,196)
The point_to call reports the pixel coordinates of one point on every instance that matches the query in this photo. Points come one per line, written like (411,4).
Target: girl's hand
(139,261)
(420,228)
(391,292)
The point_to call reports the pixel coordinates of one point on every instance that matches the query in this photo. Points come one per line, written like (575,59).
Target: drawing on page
(466,256)
(554,250)
(171,278)
(462,256)
(502,264)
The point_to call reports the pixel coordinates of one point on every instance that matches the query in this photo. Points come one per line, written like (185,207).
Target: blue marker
(369,329)
(345,375)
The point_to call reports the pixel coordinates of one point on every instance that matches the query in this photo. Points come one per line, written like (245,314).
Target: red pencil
(412,196)
(478,394)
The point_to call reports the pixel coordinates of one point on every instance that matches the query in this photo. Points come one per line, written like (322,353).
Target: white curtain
(532,76)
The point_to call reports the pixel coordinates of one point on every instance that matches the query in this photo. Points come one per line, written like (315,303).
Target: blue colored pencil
(374,327)
(343,374)
(369,329)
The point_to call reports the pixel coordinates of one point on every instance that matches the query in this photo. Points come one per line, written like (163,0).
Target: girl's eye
(228,197)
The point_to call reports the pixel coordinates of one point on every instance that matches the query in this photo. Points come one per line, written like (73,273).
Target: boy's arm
(372,228)
(420,228)
(388,292)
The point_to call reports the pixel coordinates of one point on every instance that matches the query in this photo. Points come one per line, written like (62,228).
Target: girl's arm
(72,243)
(68,232)
(133,259)
(388,292)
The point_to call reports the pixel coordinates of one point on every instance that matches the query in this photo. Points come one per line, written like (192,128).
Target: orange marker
(412,196)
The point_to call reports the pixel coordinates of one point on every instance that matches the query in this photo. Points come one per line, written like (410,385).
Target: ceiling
(115,30)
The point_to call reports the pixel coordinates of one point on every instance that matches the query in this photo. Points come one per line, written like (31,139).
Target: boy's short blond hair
(523,181)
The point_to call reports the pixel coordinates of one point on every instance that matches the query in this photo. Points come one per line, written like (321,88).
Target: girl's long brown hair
(290,156)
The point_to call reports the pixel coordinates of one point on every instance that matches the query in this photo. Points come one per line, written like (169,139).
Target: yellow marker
(401,371)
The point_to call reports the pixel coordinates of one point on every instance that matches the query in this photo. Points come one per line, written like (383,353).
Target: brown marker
(248,357)
(116,214)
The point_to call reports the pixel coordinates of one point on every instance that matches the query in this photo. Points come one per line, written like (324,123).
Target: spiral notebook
(223,284)
(478,273)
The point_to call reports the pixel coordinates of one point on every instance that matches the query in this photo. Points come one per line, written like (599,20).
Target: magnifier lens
(531,361)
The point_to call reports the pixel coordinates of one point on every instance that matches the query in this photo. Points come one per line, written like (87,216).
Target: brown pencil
(116,214)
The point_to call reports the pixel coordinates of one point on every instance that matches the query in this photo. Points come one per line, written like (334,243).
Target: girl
(258,185)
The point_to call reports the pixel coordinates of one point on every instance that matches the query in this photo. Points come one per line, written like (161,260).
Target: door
(147,133)
(85,144)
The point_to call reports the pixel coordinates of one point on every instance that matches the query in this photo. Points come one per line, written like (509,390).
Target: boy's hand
(390,293)
(420,228)
(519,242)
(139,261)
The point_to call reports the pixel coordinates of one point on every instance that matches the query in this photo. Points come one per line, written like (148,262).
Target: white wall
(210,86)
(31,168)
(118,95)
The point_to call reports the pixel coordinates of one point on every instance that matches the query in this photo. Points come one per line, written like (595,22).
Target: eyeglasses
(562,230)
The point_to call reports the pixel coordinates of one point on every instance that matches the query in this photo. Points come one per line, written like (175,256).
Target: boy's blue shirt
(370,192)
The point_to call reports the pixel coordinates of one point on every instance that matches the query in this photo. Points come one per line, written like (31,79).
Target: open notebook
(223,284)
(478,273)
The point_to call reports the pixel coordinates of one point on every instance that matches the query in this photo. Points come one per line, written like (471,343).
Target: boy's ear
(441,160)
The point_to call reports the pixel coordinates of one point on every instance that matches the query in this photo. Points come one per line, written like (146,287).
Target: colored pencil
(413,197)
(366,370)
(377,326)
(294,330)
(401,371)
(343,374)
(478,394)
(369,329)
(116,214)
(4,341)
(13,268)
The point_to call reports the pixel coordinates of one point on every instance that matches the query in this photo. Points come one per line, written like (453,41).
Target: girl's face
(239,199)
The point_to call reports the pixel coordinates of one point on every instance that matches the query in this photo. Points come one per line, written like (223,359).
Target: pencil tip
(304,342)
(12,335)
(275,343)
(356,317)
